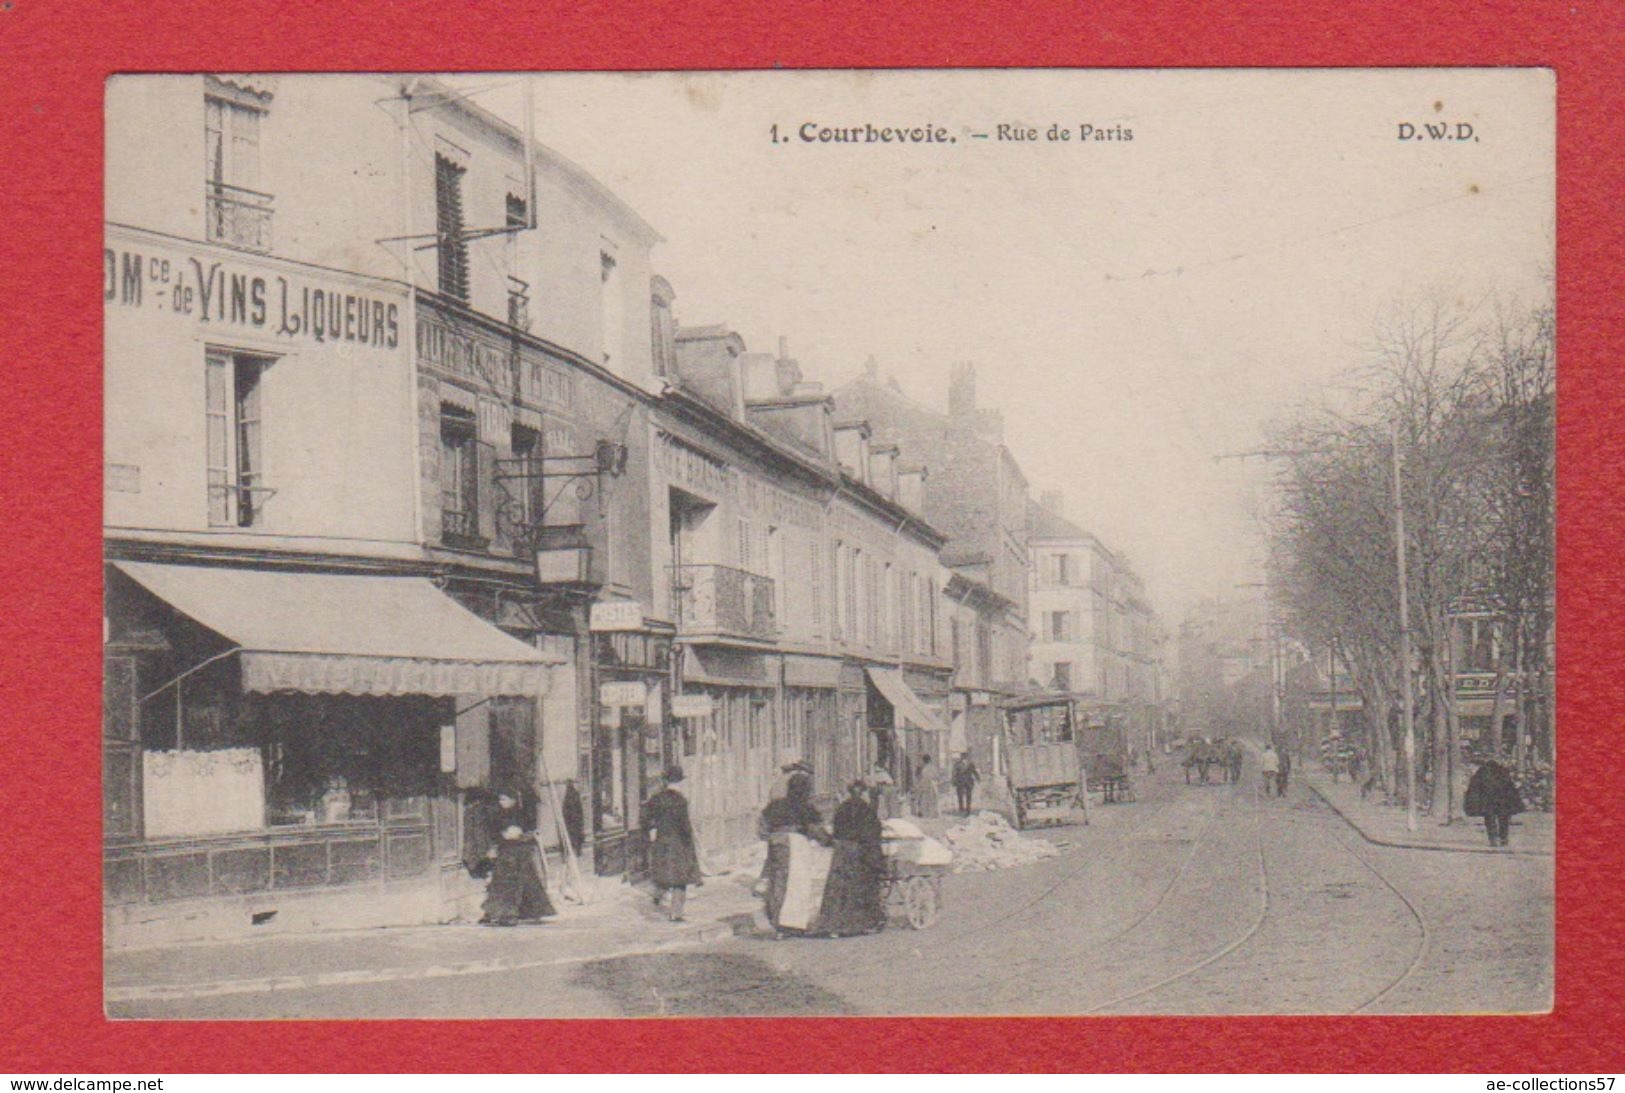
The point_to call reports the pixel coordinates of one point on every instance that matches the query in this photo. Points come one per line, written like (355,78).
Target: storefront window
(348,759)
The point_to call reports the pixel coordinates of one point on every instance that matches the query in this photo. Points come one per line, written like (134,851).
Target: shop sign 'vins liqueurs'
(213,292)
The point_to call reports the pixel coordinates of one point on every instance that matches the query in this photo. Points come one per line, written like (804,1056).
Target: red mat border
(57,55)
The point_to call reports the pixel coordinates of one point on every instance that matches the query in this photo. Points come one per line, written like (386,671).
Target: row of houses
(416,486)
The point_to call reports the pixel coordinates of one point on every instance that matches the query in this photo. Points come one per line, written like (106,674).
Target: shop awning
(890,683)
(329,633)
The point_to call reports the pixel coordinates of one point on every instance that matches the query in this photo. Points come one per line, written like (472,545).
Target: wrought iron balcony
(723,601)
(461,530)
(238,217)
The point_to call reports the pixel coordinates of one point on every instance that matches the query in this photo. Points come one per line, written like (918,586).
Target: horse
(1197,755)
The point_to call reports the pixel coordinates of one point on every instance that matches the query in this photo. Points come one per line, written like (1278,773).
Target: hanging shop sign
(691,706)
(622,694)
(616,615)
(448,749)
(223,293)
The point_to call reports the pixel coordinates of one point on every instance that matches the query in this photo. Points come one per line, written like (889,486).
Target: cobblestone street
(1196,900)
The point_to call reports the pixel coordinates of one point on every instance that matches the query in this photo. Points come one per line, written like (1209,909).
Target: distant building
(976,494)
(803,587)
(1094,632)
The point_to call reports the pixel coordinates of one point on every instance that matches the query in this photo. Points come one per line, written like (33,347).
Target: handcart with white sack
(915,865)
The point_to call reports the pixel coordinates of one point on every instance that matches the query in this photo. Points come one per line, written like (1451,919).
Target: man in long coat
(1493,794)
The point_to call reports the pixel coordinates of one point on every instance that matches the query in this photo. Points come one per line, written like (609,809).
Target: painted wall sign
(616,615)
(622,694)
(691,706)
(494,362)
(688,466)
(215,291)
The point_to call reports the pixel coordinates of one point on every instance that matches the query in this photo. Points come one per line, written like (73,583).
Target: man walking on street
(965,777)
(1270,765)
(1493,794)
(1283,772)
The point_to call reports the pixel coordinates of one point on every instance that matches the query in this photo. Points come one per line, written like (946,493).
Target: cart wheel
(921,901)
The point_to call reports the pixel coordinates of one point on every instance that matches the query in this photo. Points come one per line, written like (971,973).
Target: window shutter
(486,470)
(217,422)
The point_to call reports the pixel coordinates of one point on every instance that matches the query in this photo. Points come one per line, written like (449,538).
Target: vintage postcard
(972,542)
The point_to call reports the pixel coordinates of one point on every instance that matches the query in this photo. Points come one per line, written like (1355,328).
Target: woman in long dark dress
(852,894)
(674,862)
(516,893)
(1493,794)
(792,814)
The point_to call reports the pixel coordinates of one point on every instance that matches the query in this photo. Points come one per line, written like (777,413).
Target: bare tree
(1470,405)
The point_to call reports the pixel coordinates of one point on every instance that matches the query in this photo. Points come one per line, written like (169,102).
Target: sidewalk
(619,920)
(1533,833)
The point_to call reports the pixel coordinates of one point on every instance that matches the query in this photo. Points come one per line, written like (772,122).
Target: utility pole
(1409,719)
(1406,713)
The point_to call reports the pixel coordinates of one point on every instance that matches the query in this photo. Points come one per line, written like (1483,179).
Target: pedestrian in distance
(1270,768)
(964,777)
(853,901)
(1232,757)
(883,792)
(927,796)
(1283,772)
(515,894)
(674,861)
(1493,794)
(575,816)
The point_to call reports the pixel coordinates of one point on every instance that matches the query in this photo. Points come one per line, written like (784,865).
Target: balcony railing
(721,600)
(461,530)
(238,217)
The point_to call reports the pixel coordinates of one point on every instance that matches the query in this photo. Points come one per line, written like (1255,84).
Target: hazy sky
(1134,307)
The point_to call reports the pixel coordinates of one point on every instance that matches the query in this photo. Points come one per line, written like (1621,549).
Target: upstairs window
(459,477)
(452,245)
(235,457)
(526,493)
(662,328)
(238,212)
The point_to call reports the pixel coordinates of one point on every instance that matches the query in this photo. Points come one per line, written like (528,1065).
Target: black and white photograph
(968,542)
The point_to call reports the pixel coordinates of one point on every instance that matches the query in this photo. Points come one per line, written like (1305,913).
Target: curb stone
(704,933)
(1396,845)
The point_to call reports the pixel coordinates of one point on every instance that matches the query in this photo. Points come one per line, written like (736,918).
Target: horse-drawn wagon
(1047,784)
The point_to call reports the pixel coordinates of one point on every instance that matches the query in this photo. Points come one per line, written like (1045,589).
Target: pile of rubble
(987,841)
